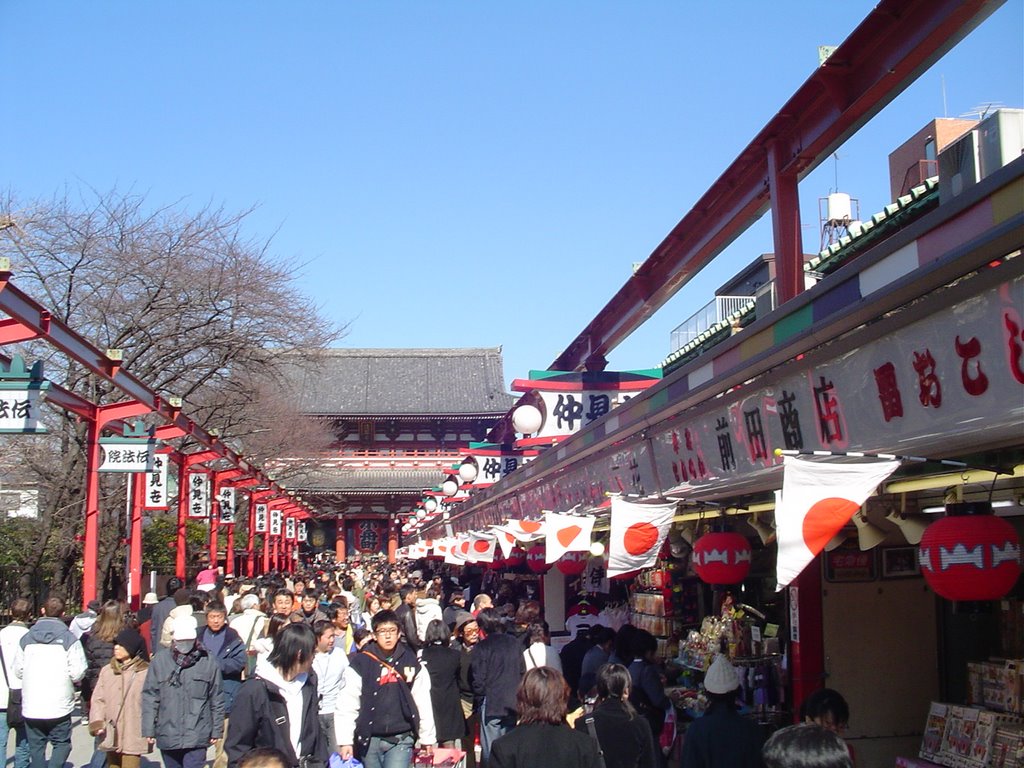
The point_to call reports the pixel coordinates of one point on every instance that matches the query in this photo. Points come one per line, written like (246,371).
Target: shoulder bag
(14,716)
(589,720)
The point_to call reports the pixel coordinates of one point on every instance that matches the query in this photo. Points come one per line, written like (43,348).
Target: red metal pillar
(807,649)
(186,462)
(256,497)
(103,415)
(785,203)
(138,481)
(339,541)
(215,483)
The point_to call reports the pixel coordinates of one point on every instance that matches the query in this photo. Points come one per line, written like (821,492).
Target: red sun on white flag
(637,533)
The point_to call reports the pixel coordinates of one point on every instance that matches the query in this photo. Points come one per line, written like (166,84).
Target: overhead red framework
(894,44)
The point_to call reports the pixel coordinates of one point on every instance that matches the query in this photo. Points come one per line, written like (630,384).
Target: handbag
(589,720)
(250,655)
(14,716)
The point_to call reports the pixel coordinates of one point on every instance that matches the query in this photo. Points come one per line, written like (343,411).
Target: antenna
(984,109)
(945,106)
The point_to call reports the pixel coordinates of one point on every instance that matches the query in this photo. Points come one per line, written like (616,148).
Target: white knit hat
(184,628)
(721,676)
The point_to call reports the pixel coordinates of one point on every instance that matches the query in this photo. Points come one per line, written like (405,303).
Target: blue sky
(453,173)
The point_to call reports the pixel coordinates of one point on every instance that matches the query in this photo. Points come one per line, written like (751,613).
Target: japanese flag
(818,499)
(637,533)
(506,541)
(481,548)
(525,530)
(457,551)
(566,533)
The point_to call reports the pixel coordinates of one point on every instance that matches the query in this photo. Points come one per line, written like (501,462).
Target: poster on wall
(365,537)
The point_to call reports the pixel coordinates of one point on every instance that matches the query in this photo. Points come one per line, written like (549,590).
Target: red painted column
(392,539)
(90,551)
(215,484)
(785,203)
(807,656)
(339,541)
(138,481)
(229,551)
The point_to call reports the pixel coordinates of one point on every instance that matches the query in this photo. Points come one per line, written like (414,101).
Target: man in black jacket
(406,614)
(496,669)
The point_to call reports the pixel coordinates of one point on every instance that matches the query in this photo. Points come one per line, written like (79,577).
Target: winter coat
(156,622)
(375,701)
(407,623)
(541,655)
(535,744)
(427,609)
(117,698)
(261,718)
(10,641)
(50,661)
(250,625)
(98,654)
(443,664)
(182,708)
(496,669)
(626,738)
(231,659)
(647,693)
(722,738)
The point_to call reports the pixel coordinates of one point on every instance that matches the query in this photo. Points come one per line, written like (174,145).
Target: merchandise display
(969,737)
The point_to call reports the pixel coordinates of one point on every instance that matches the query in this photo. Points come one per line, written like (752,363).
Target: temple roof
(401,382)
(355,480)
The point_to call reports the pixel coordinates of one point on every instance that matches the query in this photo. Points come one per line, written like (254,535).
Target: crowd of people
(369,660)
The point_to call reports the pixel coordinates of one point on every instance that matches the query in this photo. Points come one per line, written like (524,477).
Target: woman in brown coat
(116,710)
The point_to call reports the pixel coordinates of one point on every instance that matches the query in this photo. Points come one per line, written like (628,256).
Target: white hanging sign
(303,534)
(198,495)
(125,454)
(261,518)
(226,499)
(156,484)
(19,410)
(289,528)
(275,522)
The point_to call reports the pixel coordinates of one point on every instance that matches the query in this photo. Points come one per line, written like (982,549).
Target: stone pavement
(82,748)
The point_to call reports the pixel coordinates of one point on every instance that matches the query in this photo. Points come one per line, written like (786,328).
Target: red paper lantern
(573,563)
(721,558)
(535,559)
(516,557)
(970,554)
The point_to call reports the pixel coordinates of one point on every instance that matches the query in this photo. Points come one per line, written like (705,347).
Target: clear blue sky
(453,173)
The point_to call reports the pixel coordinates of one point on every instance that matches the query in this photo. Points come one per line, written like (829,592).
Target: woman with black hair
(647,687)
(443,663)
(278,706)
(625,737)
(542,736)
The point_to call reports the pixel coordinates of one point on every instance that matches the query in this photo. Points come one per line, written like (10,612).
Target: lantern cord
(894,457)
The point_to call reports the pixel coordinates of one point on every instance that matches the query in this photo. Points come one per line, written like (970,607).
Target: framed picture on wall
(900,563)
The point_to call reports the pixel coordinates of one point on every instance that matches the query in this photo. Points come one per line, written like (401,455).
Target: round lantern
(573,563)
(450,486)
(527,419)
(535,559)
(721,558)
(468,470)
(516,557)
(970,554)
(430,504)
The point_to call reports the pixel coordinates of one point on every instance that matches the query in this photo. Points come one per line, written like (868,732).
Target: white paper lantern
(597,548)
(468,471)
(450,486)
(430,504)
(527,419)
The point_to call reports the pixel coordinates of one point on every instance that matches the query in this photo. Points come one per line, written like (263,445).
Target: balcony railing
(717,310)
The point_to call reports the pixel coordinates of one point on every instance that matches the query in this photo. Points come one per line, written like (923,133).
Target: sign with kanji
(156,484)
(275,522)
(198,495)
(289,528)
(302,534)
(21,395)
(364,537)
(226,498)
(126,454)
(261,518)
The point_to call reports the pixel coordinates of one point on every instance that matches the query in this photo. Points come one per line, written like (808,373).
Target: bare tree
(200,310)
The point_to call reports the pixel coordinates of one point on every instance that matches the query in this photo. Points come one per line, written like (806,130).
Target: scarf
(183,661)
(120,667)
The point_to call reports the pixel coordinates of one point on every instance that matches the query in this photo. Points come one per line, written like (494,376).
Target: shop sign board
(198,495)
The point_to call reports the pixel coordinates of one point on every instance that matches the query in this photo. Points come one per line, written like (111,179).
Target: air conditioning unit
(1001,139)
(959,166)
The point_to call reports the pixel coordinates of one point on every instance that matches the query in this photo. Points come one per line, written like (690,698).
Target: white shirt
(541,655)
(330,678)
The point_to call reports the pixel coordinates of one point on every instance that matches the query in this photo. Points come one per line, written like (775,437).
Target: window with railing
(714,312)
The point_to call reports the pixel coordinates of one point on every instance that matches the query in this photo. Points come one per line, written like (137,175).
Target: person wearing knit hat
(116,707)
(722,738)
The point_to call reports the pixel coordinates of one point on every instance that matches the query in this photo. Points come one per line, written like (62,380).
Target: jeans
(21,755)
(327,729)
(184,758)
(56,732)
(395,752)
(491,729)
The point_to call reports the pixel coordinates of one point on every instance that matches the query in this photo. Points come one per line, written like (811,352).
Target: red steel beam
(894,44)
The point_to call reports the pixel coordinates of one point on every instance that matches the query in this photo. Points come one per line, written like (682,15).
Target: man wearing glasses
(384,705)
(338,614)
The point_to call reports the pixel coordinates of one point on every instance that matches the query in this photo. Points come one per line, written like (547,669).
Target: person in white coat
(538,653)
(10,643)
(50,661)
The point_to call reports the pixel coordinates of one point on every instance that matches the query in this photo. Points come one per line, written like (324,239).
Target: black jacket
(98,654)
(231,659)
(157,619)
(407,623)
(182,708)
(260,719)
(722,738)
(496,669)
(536,744)
(626,740)
(443,664)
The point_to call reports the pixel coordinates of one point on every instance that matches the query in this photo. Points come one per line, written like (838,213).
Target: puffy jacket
(261,719)
(98,654)
(117,698)
(427,609)
(496,669)
(186,710)
(50,661)
(231,660)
